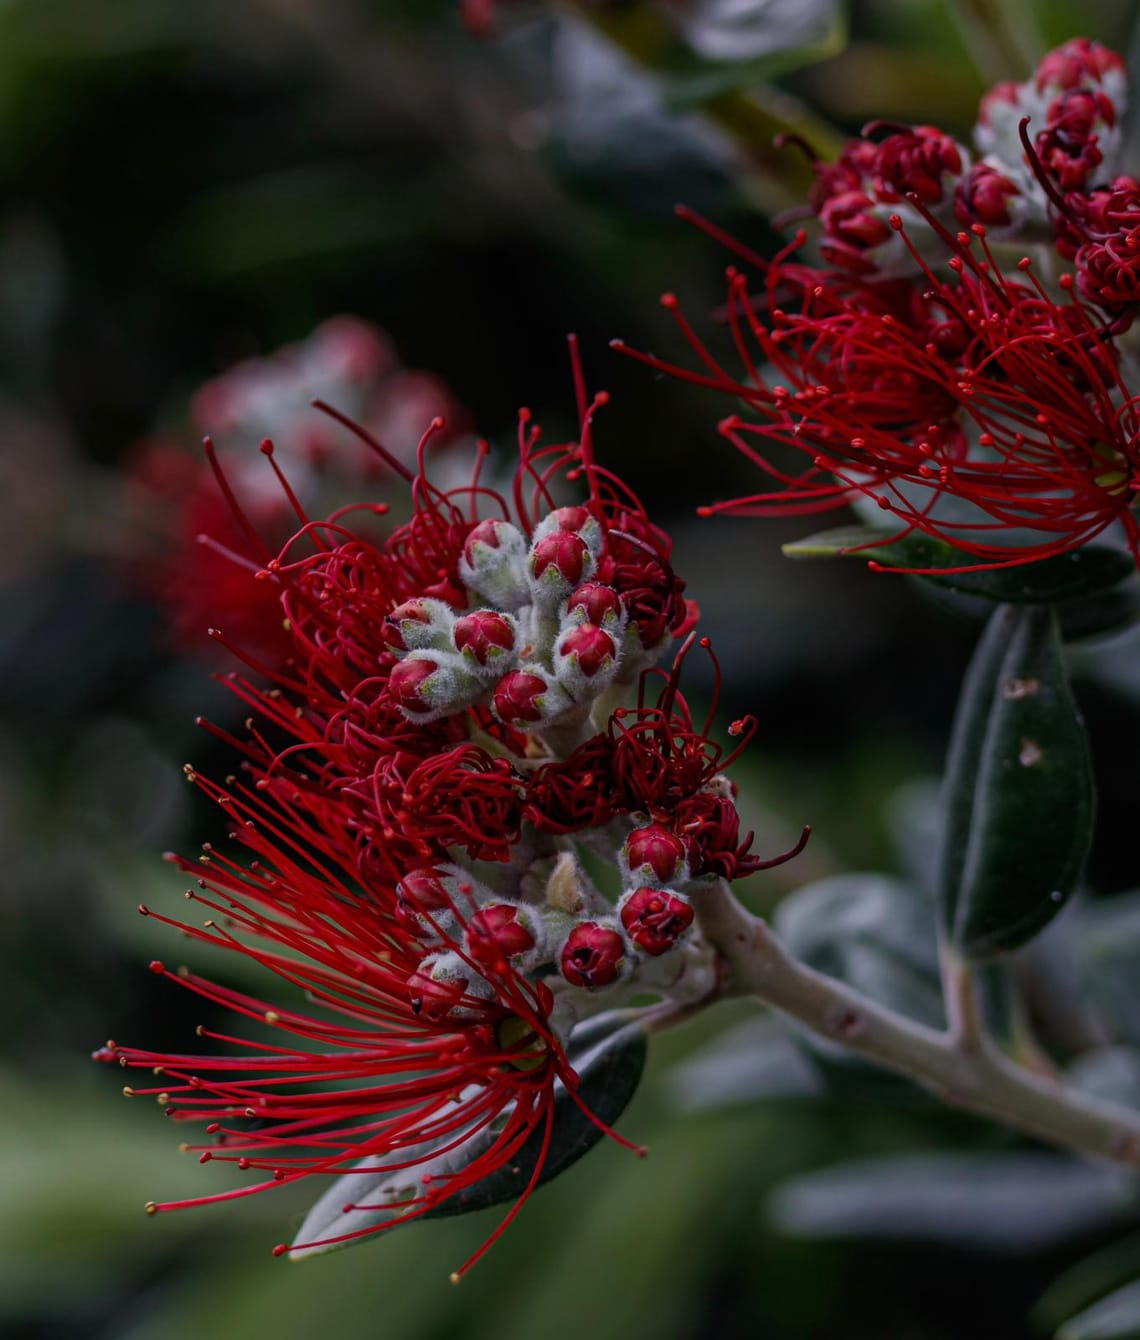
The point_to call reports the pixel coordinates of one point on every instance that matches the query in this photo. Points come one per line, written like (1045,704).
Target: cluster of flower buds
(470,933)
(963,389)
(447,747)
(1046,152)
(546,644)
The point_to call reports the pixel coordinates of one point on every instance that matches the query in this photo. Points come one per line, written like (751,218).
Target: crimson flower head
(190,548)
(415,777)
(957,395)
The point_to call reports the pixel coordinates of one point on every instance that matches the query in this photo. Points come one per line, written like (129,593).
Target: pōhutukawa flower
(924,368)
(416,778)
(188,547)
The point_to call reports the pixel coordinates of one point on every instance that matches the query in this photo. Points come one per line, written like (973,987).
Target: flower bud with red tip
(655,919)
(1080,133)
(528,697)
(503,931)
(1080,62)
(922,162)
(556,564)
(855,232)
(585,660)
(427,685)
(987,196)
(595,955)
(596,603)
(417,624)
(1108,274)
(426,898)
(486,639)
(445,987)
(493,563)
(653,855)
(571,521)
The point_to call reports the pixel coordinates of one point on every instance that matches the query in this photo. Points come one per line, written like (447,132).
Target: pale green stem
(965,1071)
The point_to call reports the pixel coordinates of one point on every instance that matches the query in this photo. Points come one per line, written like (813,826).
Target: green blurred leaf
(1116,1317)
(1112,1073)
(1019,790)
(1085,1283)
(1007,1203)
(1096,568)
(608,1054)
(752,1063)
(737,44)
(1110,961)
(878,935)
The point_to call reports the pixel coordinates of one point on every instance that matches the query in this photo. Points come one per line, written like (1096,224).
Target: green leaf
(878,935)
(1112,1073)
(1116,1317)
(608,1054)
(1019,790)
(1109,955)
(755,1062)
(1083,1284)
(737,44)
(1001,1203)
(1095,568)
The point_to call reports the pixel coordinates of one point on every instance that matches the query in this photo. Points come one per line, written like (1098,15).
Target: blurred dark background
(186,185)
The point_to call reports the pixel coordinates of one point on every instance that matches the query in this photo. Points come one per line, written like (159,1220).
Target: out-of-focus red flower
(188,533)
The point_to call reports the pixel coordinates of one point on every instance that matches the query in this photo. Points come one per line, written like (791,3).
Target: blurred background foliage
(185,185)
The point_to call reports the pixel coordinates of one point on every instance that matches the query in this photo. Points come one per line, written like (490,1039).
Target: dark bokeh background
(183,185)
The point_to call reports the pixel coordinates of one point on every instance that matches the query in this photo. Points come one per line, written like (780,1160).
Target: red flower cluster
(402,839)
(966,397)
(192,551)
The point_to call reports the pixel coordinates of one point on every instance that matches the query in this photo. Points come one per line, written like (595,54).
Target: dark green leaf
(1096,568)
(1116,1317)
(608,1054)
(1019,792)
(1093,614)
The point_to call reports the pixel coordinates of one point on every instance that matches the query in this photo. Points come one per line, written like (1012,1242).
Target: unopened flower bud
(585,659)
(557,563)
(420,623)
(502,931)
(594,602)
(655,919)
(444,986)
(424,902)
(987,196)
(429,899)
(594,956)
(427,685)
(654,854)
(486,640)
(571,521)
(1081,61)
(493,563)
(527,696)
